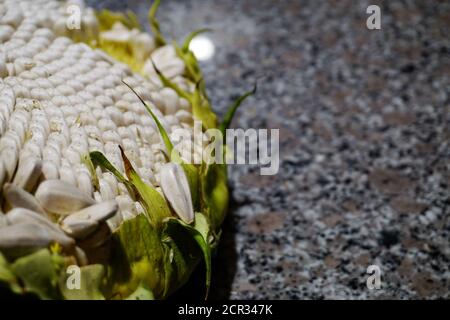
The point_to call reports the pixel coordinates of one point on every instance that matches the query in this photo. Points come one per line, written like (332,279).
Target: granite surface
(364,119)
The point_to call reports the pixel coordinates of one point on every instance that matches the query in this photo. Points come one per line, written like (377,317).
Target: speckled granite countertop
(364,119)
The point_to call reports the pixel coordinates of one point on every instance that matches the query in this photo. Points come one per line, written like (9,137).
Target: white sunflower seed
(3,220)
(20,239)
(22,215)
(175,187)
(82,223)
(19,198)
(59,197)
(98,212)
(79,229)
(28,172)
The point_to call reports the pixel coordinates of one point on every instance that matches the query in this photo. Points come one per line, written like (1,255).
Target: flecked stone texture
(364,119)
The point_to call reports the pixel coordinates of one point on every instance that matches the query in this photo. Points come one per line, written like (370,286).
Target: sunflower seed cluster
(60,100)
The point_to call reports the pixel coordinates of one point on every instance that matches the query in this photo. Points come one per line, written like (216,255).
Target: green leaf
(232,110)
(124,51)
(192,175)
(154,24)
(133,20)
(202,226)
(193,71)
(167,83)
(107,19)
(138,257)
(214,192)
(91,283)
(190,170)
(201,108)
(191,36)
(153,202)
(7,276)
(39,273)
(98,159)
(161,129)
(183,255)
(87,161)
(200,233)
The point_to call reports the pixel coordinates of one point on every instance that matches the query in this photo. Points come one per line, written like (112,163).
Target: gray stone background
(364,135)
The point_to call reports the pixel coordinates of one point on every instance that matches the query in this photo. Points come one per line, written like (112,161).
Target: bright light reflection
(202,47)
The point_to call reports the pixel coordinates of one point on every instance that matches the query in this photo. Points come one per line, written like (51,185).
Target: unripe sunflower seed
(9,156)
(166,60)
(50,171)
(22,215)
(98,212)
(84,182)
(79,229)
(28,172)
(59,197)
(20,239)
(19,198)
(67,175)
(82,223)
(3,220)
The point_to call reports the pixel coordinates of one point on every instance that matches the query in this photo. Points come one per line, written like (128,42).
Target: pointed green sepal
(232,110)
(191,36)
(154,24)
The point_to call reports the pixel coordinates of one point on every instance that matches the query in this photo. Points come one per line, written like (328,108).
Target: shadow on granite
(364,119)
